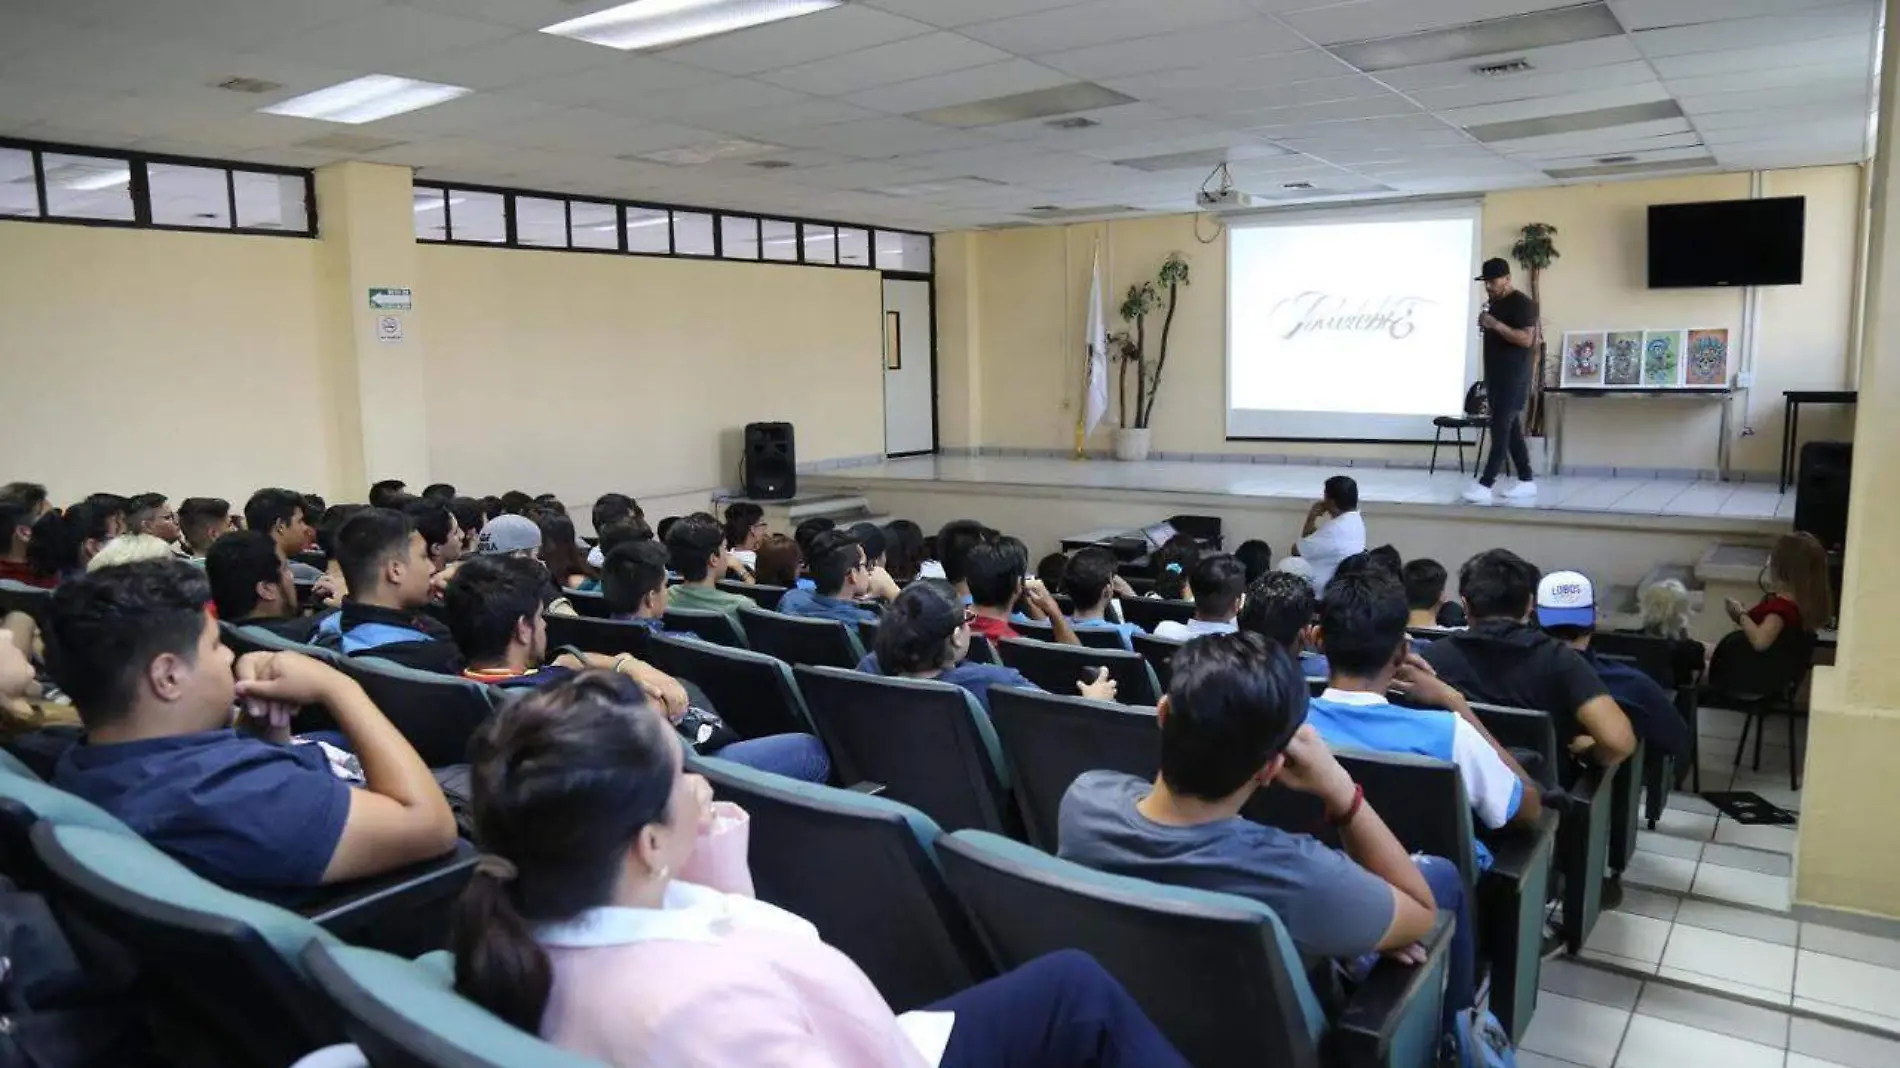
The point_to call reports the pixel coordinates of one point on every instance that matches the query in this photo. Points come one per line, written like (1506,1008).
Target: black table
(1720,394)
(1792,400)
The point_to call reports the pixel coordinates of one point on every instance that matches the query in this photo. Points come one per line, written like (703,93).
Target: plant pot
(1131,445)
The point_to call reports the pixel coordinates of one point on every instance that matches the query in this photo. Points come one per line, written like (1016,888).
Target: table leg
(1722,446)
(1794,446)
(1557,448)
(1787,412)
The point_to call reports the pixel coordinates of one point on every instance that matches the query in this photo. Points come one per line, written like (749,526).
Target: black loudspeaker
(1820,491)
(771,461)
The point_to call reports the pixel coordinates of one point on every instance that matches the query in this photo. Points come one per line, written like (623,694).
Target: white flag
(1095,406)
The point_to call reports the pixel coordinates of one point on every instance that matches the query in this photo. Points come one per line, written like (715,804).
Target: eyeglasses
(969,616)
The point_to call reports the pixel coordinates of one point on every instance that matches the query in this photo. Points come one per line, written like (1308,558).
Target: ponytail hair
(1173,564)
(561,782)
(918,631)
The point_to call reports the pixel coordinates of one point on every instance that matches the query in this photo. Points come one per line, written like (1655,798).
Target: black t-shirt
(1518,312)
(1503,662)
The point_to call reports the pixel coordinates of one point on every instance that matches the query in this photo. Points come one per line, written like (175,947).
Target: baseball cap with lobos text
(1566,599)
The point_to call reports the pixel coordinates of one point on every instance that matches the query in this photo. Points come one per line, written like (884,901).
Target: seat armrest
(1515,850)
(1396,1011)
(346,908)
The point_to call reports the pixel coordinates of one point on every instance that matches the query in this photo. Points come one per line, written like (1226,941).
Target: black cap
(1494,267)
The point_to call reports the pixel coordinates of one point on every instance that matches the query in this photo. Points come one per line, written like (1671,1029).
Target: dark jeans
(1448,892)
(795,756)
(1058,1011)
(1508,384)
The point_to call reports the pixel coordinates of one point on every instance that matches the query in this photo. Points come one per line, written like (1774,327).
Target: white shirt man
(1334,530)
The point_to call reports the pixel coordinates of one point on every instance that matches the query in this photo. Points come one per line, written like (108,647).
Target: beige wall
(1021,295)
(188,364)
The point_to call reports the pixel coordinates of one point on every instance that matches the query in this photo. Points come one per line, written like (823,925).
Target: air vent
(941,185)
(1519,65)
(1203,161)
(1612,170)
(1020,107)
(771,164)
(250,85)
(1051,212)
(1509,35)
(1073,122)
(1296,185)
(1576,122)
(710,152)
(355,144)
(1613,160)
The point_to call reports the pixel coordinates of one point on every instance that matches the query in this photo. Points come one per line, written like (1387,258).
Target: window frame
(141,193)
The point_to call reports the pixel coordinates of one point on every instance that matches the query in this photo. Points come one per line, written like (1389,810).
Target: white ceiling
(1760,83)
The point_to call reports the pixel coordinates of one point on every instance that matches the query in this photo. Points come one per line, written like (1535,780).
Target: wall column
(378,372)
(1849,850)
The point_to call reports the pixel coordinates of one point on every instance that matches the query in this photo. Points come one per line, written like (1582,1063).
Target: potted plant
(1133,438)
(1534,251)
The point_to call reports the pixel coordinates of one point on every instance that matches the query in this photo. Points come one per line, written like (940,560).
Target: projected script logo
(1317,312)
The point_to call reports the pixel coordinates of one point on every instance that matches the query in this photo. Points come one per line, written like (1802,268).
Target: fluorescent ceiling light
(366,99)
(436,203)
(1575,122)
(1019,107)
(658,23)
(91,183)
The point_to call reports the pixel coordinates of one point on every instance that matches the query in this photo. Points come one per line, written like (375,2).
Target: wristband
(1352,810)
(621,661)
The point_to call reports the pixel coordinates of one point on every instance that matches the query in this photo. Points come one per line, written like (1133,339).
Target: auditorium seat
(1677,665)
(1057,668)
(404,1014)
(801,640)
(592,635)
(766,597)
(19,597)
(589,604)
(1049,739)
(1215,972)
(1150,612)
(754,693)
(928,743)
(864,871)
(258,640)
(1159,652)
(437,713)
(24,801)
(715,627)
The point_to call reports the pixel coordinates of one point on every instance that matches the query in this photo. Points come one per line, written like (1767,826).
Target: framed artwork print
(1583,359)
(1623,358)
(1662,358)
(1705,361)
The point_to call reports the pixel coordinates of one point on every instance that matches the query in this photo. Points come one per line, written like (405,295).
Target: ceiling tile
(715,98)
(1855,51)
(879,138)
(836,32)
(1801,114)
(1636,92)
(117,60)
(899,61)
(617,86)
(1361,20)
(1654,14)
(1856,19)
(1101,21)
(470,114)
(231,24)
(1219,76)
(1532,86)
(1578,55)
(1298,94)
(1782,97)
(1745,79)
(960,87)
(767,121)
(1195,47)
(385,39)
(524,57)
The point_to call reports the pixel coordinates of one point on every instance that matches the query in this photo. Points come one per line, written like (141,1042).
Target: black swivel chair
(754,693)
(799,640)
(1050,739)
(1057,668)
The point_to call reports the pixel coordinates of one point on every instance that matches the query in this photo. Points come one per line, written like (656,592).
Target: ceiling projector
(1223,199)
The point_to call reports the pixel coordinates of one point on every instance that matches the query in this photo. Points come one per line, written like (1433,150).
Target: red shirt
(22,573)
(992,628)
(1776,605)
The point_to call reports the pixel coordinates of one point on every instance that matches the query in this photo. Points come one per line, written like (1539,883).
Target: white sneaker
(1479,493)
(1523,491)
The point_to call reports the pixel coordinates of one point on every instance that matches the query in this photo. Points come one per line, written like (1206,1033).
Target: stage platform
(1615,529)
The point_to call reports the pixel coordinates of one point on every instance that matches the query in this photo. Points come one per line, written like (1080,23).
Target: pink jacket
(718,979)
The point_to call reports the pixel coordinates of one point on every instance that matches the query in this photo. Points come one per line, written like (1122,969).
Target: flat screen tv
(1727,243)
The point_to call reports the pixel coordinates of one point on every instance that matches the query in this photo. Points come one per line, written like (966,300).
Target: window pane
(781,239)
(738,237)
(88,187)
(903,252)
(542,222)
(18,194)
(821,244)
(476,217)
(594,225)
(432,218)
(692,233)
(646,231)
(276,202)
(854,247)
(189,196)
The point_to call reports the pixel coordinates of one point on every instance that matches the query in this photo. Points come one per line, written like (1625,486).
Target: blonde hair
(1798,566)
(129,549)
(1665,608)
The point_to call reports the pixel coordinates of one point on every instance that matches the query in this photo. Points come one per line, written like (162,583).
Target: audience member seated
(1362,627)
(1091,581)
(152,514)
(331,587)
(1298,568)
(439,492)
(1280,608)
(1050,568)
(130,549)
(138,650)
(696,545)
(954,542)
(1798,598)
(745,529)
(1334,529)
(1256,556)
(871,537)
(563,554)
(633,583)
(611,508)
(510,535)
(843,576)
(22,710)
(1500,660)
(251,585)
(280,513)
(494,610)
(21,506)
(779,561)
(804,534)
(1233,722)
(1567,611)
(903,549)
(1425,599)
(515,502)
(925,634)
(441,531)
(1218,585)
(1664,607)
(386,563)
(1172,565)
(61,544)
(995,568)
(614,908)
(470,517)
(202,521)
(389,493)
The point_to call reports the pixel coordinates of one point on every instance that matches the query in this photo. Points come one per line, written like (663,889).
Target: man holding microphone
(1508,325)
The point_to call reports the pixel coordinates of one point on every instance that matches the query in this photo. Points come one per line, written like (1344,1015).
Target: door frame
(929,278)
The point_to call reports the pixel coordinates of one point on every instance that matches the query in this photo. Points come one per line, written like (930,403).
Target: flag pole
(1082,396)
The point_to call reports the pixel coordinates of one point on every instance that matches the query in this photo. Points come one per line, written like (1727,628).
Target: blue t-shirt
(1356,720)
(1127,630)
(242,812)
(1331,906)
(814,605)
(974,677)
(1314,666)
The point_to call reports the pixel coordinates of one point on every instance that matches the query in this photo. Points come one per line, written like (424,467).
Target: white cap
(1566,599)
